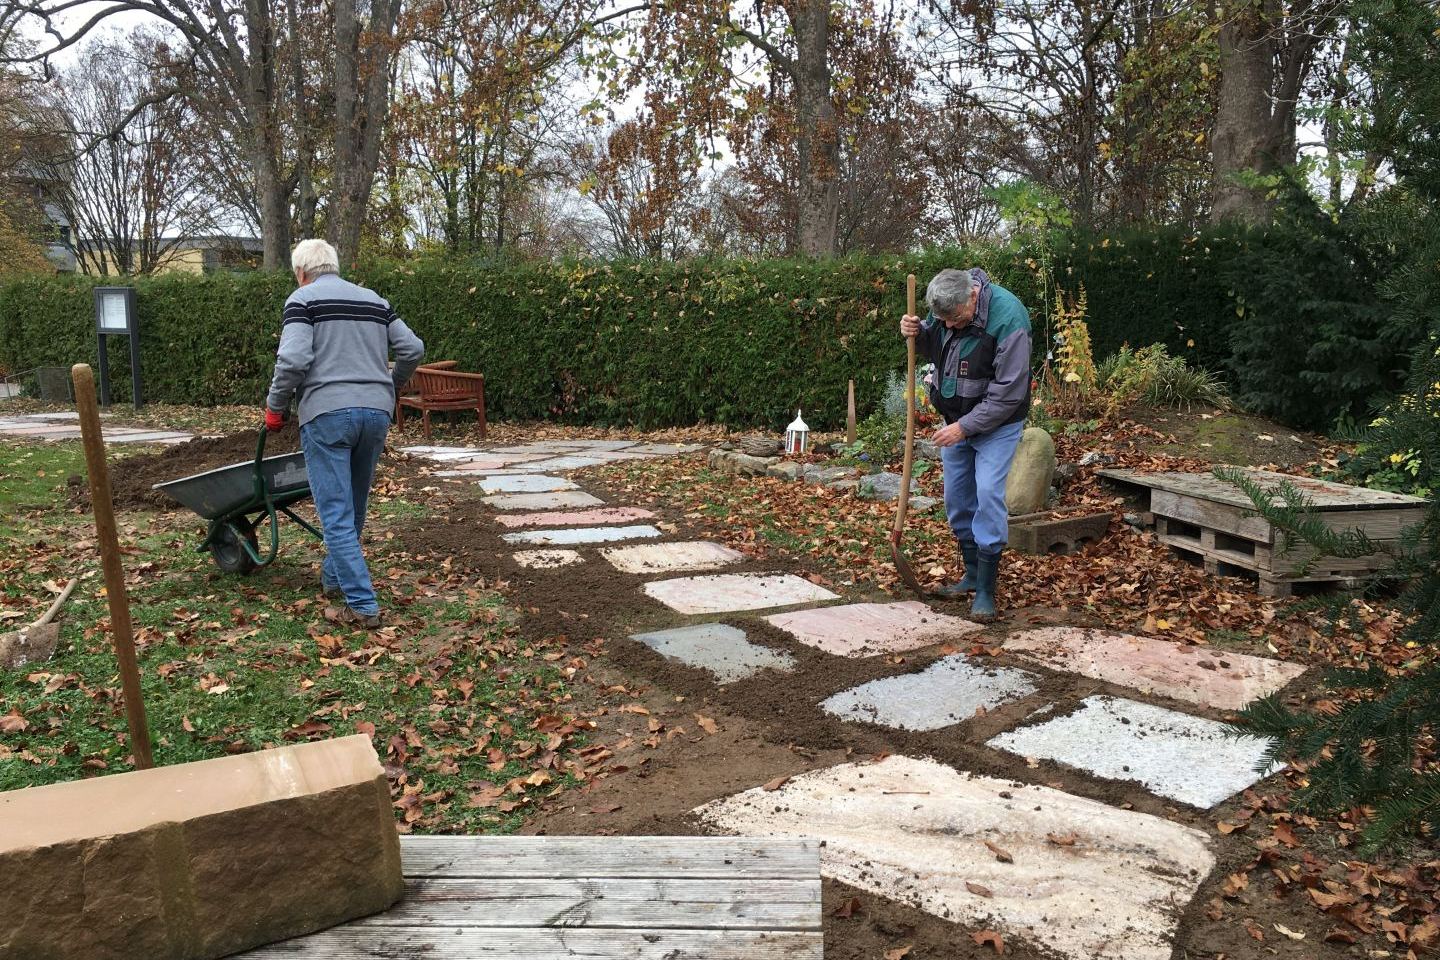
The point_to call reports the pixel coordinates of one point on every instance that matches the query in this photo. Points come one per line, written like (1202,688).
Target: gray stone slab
(947,692)
(600,444)
(578,535)
(720,649)
(1172,754)
(666,449)
(547,559)
(559,500)
(672,557)
(526,484)
(731,592)
(566,463)
(552,448)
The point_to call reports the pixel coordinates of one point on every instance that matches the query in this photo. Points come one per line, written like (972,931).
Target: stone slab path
(671,557)
(916,831)
(66,426)
(868,629)
(1203,675)
(947,692)
(1172,754)
(734,592)
(723,650)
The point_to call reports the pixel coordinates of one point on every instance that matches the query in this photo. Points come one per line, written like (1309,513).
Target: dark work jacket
(982,371)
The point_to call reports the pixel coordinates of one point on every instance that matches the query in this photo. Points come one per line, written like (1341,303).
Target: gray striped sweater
(334,349)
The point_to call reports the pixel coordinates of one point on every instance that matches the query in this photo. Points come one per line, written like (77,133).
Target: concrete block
(543,501)
(1226,681)
(916,831)
(732,592)
(547,559)
(671,557)
(720,649)
(523,484)
(1030,472)
(570,536)
(198,860)
(947,692)
(1175,755)
(1043,532)
(574,518)
(867,629)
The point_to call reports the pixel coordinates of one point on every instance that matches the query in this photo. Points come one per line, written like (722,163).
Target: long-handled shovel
(902,566)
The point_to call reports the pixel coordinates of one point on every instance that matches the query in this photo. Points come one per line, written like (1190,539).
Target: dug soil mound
(132,479)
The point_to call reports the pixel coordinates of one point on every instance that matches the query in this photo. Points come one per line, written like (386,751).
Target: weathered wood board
(538,898)
(1204,516)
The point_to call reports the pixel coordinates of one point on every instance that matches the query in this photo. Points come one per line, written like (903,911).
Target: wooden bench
(437,386)
(547,898)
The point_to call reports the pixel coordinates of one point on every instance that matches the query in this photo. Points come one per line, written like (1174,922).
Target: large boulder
(730,461)
(1030,473)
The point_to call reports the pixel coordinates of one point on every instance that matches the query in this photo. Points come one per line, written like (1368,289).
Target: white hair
(314,257)
(948,291)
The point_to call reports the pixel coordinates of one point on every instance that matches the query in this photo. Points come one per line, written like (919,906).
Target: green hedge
(737,342)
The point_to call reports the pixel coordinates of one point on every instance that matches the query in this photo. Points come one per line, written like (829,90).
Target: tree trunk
(1242,138)
(818,137)
(362,104)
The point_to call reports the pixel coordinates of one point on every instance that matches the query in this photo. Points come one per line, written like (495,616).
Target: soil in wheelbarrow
(133,478)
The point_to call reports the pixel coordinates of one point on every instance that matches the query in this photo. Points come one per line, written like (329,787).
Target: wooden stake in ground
(902,566)
(104,509)
(850,414)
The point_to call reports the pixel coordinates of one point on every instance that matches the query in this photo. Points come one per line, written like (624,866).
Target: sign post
(115,314)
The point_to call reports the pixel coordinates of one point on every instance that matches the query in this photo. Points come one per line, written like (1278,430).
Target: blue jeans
(341,450)
(975,472)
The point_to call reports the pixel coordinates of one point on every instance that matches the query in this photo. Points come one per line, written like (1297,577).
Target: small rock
(1064,473)
(786,470)
(923,504)
(844,485)
(1096,457)
(927,449)
(883,486)
(828,475)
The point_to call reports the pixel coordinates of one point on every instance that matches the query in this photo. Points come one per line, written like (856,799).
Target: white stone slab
(665,449)
(542,447)
(543,501)
(731,592)
(1172,754)
(547,559)
(1213,678)
(947,692)
(565,463)
(867,629)
(720,649)
(915,831)
(575,518)
(423,450)
(153,436)
(577,535)
(526,484)
(671,557)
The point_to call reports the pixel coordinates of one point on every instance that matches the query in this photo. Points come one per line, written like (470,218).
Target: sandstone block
(1030,472)
(198,860)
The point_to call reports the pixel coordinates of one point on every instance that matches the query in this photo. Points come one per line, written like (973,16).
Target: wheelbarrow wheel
(227,551)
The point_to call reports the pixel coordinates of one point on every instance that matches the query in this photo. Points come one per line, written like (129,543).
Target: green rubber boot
(987,570)
(968,582)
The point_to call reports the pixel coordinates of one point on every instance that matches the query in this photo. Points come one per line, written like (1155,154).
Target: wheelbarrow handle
(262,495)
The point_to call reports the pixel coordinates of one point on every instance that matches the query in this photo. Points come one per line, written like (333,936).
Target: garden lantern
(797,436)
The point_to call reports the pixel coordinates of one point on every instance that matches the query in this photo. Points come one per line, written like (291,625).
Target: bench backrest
(448,384)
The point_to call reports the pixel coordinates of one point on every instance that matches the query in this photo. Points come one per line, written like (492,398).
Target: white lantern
(797,436)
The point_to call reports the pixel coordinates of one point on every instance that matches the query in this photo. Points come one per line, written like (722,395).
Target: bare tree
(130,191)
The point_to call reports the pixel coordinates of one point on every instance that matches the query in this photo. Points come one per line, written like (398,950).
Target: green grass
(233,664)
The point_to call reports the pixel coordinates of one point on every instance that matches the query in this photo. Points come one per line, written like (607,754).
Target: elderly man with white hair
(977,334)
(334,351)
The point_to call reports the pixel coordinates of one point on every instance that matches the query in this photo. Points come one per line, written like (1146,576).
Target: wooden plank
(740,904)
(545,943)
(1321,573)
(1208,513)
(1326,495)
(721,858)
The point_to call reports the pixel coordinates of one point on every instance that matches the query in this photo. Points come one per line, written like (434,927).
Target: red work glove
(273,421)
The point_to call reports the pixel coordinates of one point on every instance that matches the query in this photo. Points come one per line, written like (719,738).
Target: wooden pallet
(1208,518)
(548,898)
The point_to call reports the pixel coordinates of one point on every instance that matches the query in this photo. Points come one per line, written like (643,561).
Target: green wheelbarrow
(238,498)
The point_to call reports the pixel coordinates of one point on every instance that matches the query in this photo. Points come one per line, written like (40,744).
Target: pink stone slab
(867,629)
(1156,666)
(575,518)
(734,592)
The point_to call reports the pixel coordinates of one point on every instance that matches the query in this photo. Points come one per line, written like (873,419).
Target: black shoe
(982,608)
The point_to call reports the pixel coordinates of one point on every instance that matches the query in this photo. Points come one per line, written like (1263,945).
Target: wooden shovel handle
(55,607)
(904,503)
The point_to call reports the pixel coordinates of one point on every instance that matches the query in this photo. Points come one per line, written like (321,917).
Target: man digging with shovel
(977,334)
